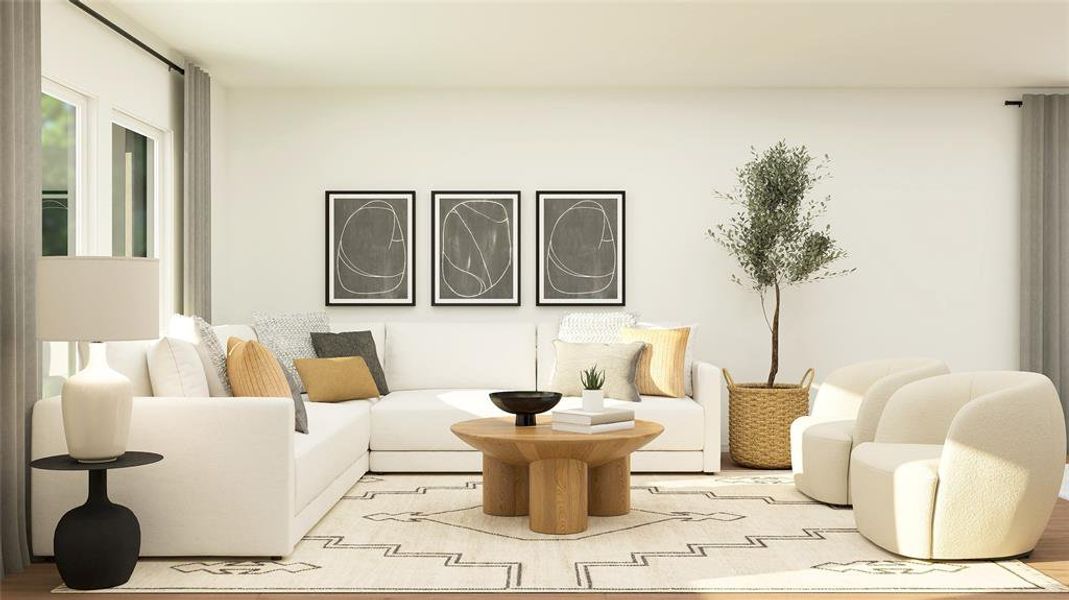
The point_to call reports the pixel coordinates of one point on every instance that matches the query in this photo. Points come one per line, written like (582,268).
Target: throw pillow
(594,328)
(619,361)
(300,415)
(289,335)
(660,366)
(688,360)
(175,370)
(209,347)
(254,370)
(336,379)
(352,343)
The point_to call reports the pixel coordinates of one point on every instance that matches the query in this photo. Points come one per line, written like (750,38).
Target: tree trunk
(774,369)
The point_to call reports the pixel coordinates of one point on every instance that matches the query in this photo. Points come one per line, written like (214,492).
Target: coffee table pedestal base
(558,493)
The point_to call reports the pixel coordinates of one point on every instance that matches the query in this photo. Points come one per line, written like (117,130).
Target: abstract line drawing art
(580,248)
(475,251)
(370,248)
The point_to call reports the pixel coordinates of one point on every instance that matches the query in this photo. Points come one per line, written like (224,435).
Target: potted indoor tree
(778,243)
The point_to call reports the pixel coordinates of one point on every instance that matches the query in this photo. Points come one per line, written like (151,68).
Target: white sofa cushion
(175,368)
(422,356)
(338,434)
(420,419)
(893,487)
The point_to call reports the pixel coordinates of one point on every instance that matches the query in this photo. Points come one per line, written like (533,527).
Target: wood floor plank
(1051,556)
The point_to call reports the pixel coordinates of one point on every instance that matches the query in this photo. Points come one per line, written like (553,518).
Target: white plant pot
(593,400)
(96,410)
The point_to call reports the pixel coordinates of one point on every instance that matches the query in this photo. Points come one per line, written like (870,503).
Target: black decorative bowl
(525,405)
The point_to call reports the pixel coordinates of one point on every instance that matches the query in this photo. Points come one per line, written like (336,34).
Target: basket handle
(807,378)
(727,376)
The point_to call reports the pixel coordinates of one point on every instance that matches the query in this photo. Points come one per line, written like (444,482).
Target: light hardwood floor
(1051,556)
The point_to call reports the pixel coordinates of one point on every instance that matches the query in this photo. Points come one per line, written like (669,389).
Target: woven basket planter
(759,421)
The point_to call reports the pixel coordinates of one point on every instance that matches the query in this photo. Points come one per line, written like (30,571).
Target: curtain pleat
(20,245)
(1045,239)
(197,204)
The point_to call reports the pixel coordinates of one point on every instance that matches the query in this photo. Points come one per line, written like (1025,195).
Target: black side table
(97,543)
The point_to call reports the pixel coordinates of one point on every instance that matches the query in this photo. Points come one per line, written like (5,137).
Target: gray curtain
(1045,239)
(20,245)
(197,205)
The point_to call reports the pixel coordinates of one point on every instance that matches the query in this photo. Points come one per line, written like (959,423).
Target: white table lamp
(97,299)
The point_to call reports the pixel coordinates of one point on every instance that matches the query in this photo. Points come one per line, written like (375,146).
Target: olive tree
(775,236)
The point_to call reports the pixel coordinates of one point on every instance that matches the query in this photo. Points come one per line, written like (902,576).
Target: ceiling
(652,43)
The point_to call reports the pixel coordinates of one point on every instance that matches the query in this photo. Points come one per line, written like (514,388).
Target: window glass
(59,154)
(132,188)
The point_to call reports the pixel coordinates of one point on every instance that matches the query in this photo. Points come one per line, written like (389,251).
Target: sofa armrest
(708,392)
(225,486)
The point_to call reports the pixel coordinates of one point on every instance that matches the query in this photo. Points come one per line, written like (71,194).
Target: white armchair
(844,414)
(963,466)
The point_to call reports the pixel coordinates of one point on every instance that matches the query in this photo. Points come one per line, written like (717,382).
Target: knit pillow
(289,335)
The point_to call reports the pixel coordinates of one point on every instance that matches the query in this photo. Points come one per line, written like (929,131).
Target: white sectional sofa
(236,479)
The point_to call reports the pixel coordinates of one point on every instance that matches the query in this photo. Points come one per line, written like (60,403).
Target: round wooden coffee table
(558,478)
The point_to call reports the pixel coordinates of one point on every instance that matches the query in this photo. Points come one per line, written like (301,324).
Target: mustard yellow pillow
(254,371)
(336,379)
(660,366)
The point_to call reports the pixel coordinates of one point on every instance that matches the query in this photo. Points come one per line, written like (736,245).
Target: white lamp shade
(97,298)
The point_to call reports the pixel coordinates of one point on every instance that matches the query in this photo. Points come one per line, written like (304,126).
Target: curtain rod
(125,34)
(1017,103)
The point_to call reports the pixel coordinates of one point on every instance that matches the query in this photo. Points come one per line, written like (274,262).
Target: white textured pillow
(618,361)
(199,332)
(289,335)
(175,369)
(594,328)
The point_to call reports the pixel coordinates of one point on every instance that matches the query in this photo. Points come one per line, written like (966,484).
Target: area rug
(427,533)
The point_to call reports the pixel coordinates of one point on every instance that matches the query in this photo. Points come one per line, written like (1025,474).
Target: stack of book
(582,421)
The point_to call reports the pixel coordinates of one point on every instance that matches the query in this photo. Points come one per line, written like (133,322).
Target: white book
(573,428)
(586,417)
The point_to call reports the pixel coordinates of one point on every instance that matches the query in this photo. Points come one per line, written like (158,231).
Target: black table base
(97,544)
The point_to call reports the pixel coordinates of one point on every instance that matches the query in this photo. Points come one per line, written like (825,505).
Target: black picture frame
(439,277)
(388,200)
(618,279)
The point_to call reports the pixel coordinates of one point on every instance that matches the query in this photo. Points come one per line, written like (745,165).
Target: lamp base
(97,402)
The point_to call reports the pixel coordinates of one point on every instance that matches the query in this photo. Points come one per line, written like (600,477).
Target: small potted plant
(593,395)
(778,242)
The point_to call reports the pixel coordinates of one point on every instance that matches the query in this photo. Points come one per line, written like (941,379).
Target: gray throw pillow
(352,343)
(619,361)
(300,415)
(286,335)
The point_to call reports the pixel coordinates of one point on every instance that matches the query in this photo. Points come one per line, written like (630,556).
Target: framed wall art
(370,248)
(475,248)
(580,248)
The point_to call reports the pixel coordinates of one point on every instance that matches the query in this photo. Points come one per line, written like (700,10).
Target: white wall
(924,197)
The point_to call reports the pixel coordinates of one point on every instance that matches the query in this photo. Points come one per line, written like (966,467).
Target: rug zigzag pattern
(699,533)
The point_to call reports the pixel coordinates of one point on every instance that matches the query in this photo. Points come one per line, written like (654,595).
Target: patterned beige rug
(427,533)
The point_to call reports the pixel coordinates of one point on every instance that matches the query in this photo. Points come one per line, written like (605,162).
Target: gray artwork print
(580,249)
(476,248)
(371,247)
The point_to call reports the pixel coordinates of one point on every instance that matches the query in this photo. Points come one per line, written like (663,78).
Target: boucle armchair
(964,466)
(844,414)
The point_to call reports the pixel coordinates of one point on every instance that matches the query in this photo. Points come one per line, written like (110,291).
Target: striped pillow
(660,366)
(254,371)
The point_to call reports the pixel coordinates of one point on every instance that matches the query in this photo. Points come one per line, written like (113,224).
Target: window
(59,144)
(132,192)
